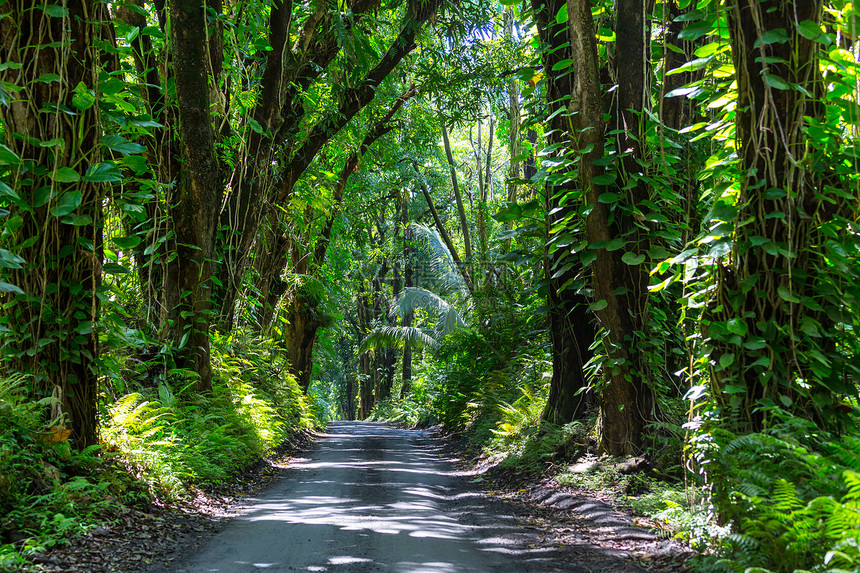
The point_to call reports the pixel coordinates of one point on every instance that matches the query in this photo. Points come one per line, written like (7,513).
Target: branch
(461,210)
(381,127)
(355,99)
(446,238)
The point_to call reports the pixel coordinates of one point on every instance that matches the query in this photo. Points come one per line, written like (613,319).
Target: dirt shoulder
(131,540)
(579,518)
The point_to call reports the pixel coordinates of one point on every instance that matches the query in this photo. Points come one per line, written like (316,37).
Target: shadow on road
(375,498)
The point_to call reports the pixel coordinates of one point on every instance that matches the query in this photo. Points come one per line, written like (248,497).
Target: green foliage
(255,406)
(49,492)
(783,497)
(162,442)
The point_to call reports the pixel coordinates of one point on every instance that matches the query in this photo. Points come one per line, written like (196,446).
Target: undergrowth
(159,441)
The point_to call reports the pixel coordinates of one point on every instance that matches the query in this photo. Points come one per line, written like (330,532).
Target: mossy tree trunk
(50,178)
(621,275)
(772,292)
(571,331)
(196,200)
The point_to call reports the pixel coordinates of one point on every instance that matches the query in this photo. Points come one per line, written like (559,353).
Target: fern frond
(785,496)
(852,481)
(745,542)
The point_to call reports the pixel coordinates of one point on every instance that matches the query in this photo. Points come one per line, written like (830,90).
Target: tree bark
(52,273)
(626,400)
(784,200)
(302,322)
(197,199)
(571,332)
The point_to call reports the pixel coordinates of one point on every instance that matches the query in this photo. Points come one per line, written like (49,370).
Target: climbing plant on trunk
(51,182)
(195,204)
(775,313)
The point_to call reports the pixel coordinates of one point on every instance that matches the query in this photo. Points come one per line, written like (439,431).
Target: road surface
(374,498)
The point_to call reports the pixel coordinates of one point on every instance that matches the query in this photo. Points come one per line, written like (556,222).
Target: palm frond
(444,271)
(411,298)
(396,337)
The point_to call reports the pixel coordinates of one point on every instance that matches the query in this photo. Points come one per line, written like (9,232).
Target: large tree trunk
(290,71)
(626,400)
(571,332)
(52,271)
(197,199)
(244,208)
(764,289)
(300,335)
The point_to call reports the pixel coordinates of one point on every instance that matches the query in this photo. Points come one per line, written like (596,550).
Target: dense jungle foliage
(577,231)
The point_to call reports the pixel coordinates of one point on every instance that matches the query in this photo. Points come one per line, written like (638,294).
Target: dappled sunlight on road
(374,498)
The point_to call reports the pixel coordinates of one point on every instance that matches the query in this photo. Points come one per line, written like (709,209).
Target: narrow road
(375,498)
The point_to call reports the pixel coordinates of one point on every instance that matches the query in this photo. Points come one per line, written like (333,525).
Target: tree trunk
(408,281)
(458,197)
(365,382)
(446,238)
(571,332)
(776,264)
(299,336)
(53,269)
(197,199)
(626,400)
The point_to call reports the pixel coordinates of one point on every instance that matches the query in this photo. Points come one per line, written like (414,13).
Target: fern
(852,481)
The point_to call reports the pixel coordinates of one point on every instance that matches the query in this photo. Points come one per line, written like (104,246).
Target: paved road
(374,498)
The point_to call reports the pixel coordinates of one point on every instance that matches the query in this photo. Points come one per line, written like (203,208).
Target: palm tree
(454,297)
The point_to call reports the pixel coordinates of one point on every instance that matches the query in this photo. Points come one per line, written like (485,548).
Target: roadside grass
(159,442)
